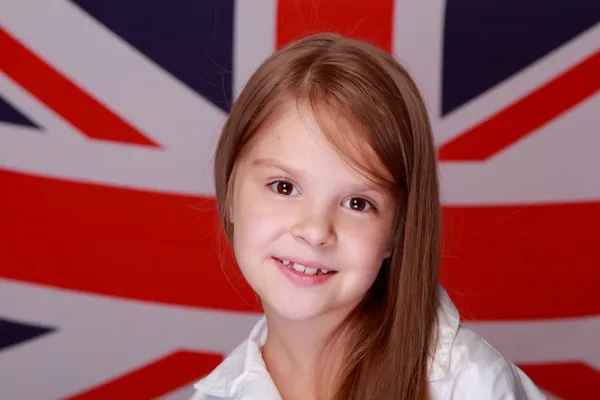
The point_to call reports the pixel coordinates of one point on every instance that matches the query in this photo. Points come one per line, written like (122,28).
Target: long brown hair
(388,337)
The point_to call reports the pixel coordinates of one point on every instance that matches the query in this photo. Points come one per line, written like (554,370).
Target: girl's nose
(315,230)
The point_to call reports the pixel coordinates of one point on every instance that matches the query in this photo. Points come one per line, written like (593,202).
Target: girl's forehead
(295,133)
(295,122)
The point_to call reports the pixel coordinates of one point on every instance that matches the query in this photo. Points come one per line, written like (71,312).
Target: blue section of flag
(13,332)
(486,42)
(191,39)
(8,113)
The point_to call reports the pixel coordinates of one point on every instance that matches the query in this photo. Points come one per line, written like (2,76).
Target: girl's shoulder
(463,366)
(466,366)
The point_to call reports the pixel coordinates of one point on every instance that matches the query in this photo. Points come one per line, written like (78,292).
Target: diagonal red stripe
(71,102)
(156,379)
(371,21)
(499,262)
(569,381)
(527,114)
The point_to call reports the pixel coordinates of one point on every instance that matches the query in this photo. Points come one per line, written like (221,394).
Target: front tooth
(299,267)
(285,262)
(311,271)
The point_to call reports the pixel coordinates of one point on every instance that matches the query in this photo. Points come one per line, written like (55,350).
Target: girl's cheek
(372,236)
(269,209)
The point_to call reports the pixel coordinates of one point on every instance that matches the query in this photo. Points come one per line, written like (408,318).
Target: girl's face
(300,210)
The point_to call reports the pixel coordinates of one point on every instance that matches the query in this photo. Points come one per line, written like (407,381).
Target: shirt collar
(246,361)
(241,368)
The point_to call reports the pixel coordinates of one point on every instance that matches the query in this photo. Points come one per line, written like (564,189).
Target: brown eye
(283,187)
(358,204)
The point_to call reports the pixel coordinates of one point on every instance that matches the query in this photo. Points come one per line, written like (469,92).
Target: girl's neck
(292,355)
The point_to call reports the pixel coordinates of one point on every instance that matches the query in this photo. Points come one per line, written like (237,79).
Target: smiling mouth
(304,269)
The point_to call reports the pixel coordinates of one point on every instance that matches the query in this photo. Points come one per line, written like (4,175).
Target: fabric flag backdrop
(112,283)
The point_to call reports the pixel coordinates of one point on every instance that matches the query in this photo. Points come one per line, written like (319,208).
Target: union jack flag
(111,280)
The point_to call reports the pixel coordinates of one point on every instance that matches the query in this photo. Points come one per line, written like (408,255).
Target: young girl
(327,187)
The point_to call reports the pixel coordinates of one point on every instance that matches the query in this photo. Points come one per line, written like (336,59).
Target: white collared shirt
(464,366)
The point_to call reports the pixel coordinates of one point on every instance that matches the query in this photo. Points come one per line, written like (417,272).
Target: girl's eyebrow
(370,188)
(271,163)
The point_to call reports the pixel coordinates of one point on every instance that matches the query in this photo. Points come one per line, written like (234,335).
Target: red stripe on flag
(156,379)
(120,242)
(569,381)
(523,262)
(499,262)
(527,114)
(63,96)
(370,21)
